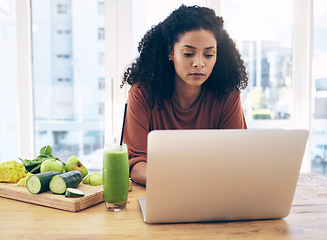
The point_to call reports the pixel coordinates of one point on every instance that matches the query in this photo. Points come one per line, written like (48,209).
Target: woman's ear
(170,56)
(170,53)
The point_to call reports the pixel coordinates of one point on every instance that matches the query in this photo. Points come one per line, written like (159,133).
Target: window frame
(25,80)
(302,51)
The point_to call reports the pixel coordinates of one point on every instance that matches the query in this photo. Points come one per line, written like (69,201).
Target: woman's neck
(185,96)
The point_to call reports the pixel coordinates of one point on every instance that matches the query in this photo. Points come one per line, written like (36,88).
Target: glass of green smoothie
(115,174)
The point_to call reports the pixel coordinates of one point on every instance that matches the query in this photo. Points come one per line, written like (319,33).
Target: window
(263,33)
(62,9)
(63,80)
(68,92)
(63,31)
(8,83)
(101,9)
(101,58)
(101,33)
(101,83)
(319,82)
(101,108)
(68,115)
(66,56)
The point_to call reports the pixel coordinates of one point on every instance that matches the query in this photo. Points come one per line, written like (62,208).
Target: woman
(188,76)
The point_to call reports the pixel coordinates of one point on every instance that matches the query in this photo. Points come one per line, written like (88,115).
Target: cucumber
(73,192)
(38,183)
(61,182)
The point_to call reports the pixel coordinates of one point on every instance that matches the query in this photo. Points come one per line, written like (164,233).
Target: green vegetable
(40,182)
(33,166)
(46,150)
(60,183)
(73,192)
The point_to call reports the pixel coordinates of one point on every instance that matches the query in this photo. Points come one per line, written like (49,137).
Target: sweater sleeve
(137,125)
(232,115)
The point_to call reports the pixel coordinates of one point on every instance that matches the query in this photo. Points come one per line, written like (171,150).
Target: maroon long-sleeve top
(208,112)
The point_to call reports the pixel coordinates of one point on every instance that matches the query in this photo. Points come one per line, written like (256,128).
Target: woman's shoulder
(138,93)
(139,89)
(234,94)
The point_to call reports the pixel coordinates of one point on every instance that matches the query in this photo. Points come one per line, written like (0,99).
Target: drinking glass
(115,176)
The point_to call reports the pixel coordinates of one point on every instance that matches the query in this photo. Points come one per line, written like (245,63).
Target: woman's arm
(232,115)
(137,125)
(138,173)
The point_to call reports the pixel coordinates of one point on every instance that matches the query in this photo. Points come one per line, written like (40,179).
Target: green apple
(51,165)
(74,164)
(93,179)
(87,179)
(96,179)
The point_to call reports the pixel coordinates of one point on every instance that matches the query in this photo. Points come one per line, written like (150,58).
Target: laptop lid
(221,175)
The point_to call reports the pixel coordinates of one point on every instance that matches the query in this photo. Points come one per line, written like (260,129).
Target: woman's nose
(198,62)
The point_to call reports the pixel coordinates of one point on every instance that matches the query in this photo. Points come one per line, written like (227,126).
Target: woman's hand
(138,173)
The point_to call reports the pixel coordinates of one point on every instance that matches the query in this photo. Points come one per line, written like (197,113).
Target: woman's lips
(197,75)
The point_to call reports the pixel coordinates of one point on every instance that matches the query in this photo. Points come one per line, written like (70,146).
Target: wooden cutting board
(93,196)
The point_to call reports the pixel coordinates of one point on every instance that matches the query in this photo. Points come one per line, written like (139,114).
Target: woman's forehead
(203,39)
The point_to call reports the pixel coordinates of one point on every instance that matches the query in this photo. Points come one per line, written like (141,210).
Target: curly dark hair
(153,68)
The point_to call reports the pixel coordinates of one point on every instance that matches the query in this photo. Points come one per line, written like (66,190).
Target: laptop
(221,175)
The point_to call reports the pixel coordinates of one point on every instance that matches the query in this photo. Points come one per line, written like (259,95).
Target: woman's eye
(208,55)
(188,54)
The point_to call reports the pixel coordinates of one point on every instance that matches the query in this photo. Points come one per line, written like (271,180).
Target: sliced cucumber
(60,183)
(73,192)
(40,182)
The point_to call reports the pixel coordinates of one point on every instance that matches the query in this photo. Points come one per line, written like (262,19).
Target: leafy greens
(34,165)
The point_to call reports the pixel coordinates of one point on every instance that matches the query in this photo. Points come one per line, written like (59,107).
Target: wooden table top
(307,220)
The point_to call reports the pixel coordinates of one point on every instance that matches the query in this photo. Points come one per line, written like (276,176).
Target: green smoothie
(115,174)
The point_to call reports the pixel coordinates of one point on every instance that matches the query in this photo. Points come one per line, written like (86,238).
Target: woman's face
(194,57)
